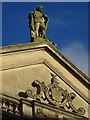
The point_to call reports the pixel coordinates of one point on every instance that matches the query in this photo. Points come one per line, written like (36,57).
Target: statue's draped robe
(36,17)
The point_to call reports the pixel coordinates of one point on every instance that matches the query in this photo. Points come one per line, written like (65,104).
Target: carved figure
(38,23)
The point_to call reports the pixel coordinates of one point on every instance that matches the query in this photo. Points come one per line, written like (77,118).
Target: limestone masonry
(39,82)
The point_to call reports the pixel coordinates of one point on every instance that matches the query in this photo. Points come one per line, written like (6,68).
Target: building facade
(39,82)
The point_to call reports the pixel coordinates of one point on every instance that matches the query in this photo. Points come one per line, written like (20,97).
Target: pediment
(25,64)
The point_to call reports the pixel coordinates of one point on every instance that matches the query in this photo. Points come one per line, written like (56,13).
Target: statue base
(39,39)
(42,40)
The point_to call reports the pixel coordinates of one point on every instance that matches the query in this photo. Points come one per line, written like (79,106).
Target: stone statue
(38,23)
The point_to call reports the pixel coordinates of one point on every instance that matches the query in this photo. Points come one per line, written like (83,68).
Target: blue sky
(68,27)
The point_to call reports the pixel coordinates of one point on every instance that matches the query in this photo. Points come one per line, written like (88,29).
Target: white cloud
(77,53)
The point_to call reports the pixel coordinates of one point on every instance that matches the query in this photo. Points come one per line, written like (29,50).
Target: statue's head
(39,8)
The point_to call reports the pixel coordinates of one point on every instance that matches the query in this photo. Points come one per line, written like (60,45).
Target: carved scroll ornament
(53,94)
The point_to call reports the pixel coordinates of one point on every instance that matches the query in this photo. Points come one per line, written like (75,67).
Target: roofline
(48,46)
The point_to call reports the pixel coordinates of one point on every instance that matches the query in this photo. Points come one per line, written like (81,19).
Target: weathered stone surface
(53,94)
(25,63)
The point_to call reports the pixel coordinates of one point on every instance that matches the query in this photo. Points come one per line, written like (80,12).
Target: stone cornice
(52,50)
(55,109)
(35,105)
(70,84)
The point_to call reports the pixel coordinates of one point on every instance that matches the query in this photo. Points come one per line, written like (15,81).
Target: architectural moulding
(48,47)
(17,110)
(71,85)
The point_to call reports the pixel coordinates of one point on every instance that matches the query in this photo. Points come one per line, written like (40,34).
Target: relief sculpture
(53,94)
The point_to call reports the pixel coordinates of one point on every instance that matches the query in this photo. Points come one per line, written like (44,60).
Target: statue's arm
(46,21)
(31,21)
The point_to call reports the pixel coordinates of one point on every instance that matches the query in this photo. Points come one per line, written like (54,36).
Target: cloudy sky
(68,27)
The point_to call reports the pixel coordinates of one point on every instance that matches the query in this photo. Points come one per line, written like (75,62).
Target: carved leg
(37,29)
